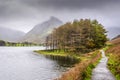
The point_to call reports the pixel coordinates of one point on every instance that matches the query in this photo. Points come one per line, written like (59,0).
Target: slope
(114,57)
(40,31)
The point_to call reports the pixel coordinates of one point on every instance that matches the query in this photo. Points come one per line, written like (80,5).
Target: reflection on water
(21,63)
(63,61)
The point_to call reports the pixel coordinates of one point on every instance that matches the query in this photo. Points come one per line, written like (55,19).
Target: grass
(114,60)
(58,54)
(113,52)
(50,52)
(88,72)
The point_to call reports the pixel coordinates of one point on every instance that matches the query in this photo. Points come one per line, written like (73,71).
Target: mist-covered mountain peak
(52,18)
(40,31)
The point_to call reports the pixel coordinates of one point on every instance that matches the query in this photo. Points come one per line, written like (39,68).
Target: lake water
(21,63)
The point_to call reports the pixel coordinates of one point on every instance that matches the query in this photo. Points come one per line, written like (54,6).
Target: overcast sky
(25,14)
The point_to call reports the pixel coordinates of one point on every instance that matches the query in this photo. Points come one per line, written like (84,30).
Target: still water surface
(21,63)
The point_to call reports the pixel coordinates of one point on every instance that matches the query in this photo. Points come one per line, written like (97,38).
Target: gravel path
(101,72)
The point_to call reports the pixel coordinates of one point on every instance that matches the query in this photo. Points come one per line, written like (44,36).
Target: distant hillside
(116,40)
(113,32)
(11,35)
(40,31)
(116,37)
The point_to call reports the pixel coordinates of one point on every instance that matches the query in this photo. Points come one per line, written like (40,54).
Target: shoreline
(81,70)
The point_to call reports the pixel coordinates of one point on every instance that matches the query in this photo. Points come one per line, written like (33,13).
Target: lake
(21,63)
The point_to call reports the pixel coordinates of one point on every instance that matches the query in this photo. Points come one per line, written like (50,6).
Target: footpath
(101,72)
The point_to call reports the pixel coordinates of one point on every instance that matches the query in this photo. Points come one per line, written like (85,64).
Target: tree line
(4,43)
(78,36)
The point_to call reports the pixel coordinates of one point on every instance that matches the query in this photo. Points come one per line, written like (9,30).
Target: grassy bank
(114,60)
(67,59)
(82,70)
(57,53)
(50,52)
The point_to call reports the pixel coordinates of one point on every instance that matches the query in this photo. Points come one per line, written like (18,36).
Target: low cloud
(21,14)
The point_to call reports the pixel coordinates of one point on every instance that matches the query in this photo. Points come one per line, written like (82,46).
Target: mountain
(116,37)
(10,35)
(40,31)
(113,32)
